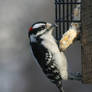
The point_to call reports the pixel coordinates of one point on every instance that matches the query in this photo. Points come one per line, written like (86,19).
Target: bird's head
(40,28)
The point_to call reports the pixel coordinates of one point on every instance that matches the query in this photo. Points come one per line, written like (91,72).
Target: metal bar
(63,18)
(81,31)
(56,19)
(59,18)
(72,12)
(68,3)
(67,11)
(75,1)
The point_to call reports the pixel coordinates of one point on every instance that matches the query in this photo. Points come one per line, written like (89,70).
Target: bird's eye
(43,27)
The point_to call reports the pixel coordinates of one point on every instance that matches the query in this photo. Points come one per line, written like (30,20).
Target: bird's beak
(51,26)
(54,25)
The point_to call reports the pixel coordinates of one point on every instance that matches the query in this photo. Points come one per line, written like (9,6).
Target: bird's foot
(75,76)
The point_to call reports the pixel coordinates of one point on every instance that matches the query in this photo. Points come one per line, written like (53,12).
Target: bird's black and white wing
(46,61)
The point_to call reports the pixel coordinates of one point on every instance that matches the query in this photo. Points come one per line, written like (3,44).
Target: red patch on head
(30,29)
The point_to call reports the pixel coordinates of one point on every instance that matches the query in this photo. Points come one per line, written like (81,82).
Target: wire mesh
(64,15)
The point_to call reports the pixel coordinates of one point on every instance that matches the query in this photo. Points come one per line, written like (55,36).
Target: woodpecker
(46,52)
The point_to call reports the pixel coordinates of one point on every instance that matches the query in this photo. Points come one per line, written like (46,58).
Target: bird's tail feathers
(61,89)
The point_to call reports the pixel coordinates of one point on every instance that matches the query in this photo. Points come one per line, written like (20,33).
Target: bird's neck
(48,37)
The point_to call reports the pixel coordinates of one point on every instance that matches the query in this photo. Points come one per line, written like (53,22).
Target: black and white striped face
(38,28)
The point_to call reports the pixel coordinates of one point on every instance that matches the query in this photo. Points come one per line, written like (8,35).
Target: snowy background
(18,70)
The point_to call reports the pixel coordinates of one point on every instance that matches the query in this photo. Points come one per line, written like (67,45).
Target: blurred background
(18,70)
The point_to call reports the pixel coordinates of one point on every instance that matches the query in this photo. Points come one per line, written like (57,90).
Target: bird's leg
(75,76)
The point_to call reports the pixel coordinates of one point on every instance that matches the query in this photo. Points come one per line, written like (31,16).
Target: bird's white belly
(61,63)
(60,59)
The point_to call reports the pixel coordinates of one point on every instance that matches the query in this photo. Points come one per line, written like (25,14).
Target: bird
(46,52)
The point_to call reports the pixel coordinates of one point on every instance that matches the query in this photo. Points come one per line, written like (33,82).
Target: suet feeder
(64,10)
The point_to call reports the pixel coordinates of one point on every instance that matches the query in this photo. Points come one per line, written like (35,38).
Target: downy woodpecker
(46,52)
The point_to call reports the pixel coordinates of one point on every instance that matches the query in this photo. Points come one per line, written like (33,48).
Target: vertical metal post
(60,19)
(67,14)
(63,18)
(56,19)
(71,9)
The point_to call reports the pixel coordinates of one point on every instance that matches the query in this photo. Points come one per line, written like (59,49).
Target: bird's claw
(75,76)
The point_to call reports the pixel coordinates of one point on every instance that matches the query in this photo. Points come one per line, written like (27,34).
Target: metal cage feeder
(64,15)
(64,18)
